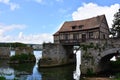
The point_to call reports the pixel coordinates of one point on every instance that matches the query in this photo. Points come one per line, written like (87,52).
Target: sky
(35,21)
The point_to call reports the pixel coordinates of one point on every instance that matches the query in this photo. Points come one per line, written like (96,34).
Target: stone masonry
(53,55)
(4,52)
(57,54)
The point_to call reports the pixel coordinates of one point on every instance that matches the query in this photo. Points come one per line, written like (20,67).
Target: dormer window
(73,27)
(80,27)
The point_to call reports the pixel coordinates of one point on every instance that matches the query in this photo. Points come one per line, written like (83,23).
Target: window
(73,27)
(80,27)
(83,37)
(103,36)
(75,36)
(90,34)
(66,36)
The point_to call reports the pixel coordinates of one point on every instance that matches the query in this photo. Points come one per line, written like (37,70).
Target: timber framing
(76,32)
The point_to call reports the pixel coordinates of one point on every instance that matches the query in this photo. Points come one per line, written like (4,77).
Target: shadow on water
(23,67)
(57,73)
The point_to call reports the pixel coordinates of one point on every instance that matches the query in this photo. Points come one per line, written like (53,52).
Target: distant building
(87,30)
(35,46)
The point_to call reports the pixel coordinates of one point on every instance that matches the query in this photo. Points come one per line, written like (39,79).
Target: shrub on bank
(22,58)
(117,76)
(2,78)
(90,72)
(115,64)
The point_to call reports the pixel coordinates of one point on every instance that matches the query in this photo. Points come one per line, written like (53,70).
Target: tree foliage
(22,57)
(13,45)
(115,30)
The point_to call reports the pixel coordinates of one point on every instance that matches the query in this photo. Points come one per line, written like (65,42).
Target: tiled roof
(85,24)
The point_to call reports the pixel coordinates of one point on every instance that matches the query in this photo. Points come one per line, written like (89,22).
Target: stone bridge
(110,51)
(95,59)
(105,57)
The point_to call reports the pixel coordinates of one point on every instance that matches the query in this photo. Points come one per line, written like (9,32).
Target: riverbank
(98,78)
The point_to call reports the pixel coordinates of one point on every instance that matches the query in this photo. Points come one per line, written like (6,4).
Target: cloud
(21,37)
(92,9)
(12,5)
(39,1)
(32,38)
(6,28)
(46,2)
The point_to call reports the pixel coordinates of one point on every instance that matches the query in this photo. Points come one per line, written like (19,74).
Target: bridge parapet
(115,42)
(109,51)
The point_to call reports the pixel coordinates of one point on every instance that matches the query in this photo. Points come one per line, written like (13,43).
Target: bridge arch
(104,62)
(109,51)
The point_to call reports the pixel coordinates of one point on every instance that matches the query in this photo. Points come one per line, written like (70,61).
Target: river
(30,71)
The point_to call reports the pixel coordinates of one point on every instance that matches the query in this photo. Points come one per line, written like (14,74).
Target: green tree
(115,30)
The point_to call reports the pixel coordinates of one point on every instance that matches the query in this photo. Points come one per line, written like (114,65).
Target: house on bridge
(73,33)
(93,30)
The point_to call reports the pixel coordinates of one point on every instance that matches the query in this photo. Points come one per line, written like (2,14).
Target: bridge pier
(58,54)
(88,63)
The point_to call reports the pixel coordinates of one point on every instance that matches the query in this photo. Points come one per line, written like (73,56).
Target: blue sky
(35,21)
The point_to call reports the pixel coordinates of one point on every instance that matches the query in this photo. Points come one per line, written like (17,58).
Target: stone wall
(91,59)
(115,42)
(25,50)
(4,52)
(53,55)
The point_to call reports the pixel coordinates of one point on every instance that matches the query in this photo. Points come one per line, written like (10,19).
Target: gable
(86,24)
(104,26)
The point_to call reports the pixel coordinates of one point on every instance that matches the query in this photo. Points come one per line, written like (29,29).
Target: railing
(76,41)
(71,41)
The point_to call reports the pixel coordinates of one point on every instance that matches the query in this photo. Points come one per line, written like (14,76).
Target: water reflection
(21,71)
(77,72)
(31,71)
(57,73)
(36,74)
(8,73)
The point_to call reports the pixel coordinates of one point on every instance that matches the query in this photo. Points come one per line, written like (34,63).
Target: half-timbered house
(88,30)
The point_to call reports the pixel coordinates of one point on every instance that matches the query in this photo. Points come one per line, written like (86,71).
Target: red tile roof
(85,24)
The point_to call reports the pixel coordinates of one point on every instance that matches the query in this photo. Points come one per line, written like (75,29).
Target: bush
(117,76)
(115,64)
(22,57)
(2,78)
(90,72)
